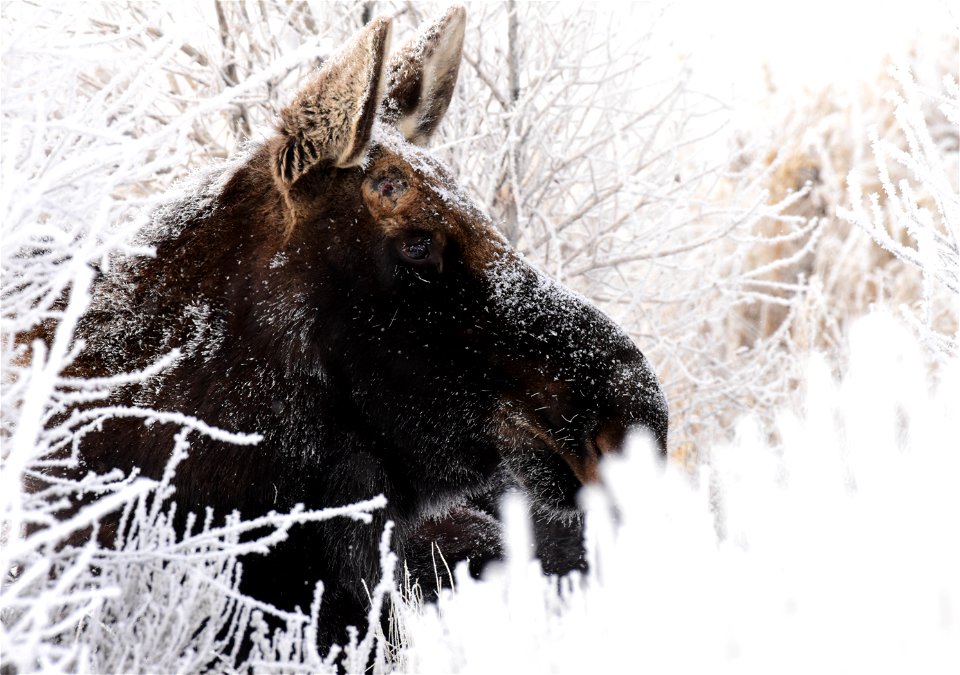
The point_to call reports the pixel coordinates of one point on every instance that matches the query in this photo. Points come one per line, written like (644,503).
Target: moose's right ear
(330,120)
(422,75)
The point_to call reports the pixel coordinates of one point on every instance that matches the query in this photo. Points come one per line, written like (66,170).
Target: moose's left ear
(330,120)
(421,77)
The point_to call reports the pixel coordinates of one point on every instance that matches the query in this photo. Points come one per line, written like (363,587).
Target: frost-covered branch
(917,216)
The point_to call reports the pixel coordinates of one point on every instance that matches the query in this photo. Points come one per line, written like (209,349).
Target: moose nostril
(609,437)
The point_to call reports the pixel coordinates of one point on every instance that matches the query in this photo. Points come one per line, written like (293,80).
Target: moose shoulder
(336,291)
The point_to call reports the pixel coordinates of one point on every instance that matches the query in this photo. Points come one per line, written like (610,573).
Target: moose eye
(420,249)
(416,249)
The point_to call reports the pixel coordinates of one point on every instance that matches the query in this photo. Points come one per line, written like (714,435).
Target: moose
(334,290)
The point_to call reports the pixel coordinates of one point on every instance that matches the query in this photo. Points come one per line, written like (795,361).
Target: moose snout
(587,386)
(612,434)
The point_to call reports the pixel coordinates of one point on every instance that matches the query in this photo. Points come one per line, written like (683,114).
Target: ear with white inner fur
(421,77)
(330,120)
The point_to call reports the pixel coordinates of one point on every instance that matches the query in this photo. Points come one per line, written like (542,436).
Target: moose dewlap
(335,291)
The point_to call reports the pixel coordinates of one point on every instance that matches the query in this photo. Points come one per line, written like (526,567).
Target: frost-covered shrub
(800,279)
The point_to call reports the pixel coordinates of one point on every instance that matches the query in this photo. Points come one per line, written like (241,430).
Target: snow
(278,260)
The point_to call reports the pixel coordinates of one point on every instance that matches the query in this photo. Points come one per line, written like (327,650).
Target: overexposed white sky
(807,44)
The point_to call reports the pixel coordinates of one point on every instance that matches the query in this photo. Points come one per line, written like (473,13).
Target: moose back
(334,290)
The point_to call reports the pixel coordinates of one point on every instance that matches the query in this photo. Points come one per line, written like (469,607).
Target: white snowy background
(765,197)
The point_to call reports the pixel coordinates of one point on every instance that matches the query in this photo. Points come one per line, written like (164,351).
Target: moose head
(335,290)
(459,353)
